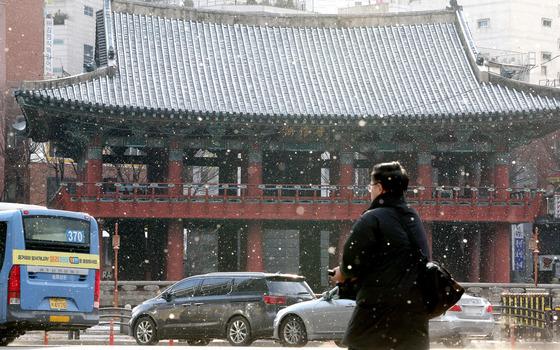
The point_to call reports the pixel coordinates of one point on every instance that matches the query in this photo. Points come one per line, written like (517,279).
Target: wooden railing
(290,201)
(107,191)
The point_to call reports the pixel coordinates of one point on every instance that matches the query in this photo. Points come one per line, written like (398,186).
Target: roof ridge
(287,20)
(106,30)
(74,79)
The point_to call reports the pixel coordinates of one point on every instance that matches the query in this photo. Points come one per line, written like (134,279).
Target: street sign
(518,247)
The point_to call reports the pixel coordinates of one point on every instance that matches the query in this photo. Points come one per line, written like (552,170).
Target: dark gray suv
(237,306)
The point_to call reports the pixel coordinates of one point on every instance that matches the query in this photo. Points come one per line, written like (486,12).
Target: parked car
(326,318)
(237,306)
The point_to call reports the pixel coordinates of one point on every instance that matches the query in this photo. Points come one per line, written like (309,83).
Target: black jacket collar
(388,200)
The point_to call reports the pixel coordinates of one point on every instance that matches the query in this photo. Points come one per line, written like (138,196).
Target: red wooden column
(175,168)
(501,176)
(254,237)
(488,249)
(346,178)
(424,177)
(93,165)
(175,248)
(429,236)
(255,247)
(502,252)
(345,229)
(474,250)
(254,171)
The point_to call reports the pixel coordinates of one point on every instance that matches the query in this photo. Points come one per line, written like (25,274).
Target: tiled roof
(366,71)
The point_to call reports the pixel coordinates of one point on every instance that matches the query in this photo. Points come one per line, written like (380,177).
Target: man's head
(388,177)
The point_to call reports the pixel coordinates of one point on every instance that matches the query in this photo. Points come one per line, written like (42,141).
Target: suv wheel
(238,332)
(5,340)
(145,331)
(292,332)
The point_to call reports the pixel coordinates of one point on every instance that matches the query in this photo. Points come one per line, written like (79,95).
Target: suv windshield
(288,287)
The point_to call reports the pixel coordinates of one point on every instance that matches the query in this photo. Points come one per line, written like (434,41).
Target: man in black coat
(379,257)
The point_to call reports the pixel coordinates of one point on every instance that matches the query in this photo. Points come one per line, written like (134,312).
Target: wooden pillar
(429,236)
(254,171)
(501,176)
(424,177)
(474,250)
(175,168)
(94,166)
(346,178)
(255,261)
(488,245)
(175,248)
(345,229)
(502,253)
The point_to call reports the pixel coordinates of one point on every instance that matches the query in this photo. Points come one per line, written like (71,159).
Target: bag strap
(409,233)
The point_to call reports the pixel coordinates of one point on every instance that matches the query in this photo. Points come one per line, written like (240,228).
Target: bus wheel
(145,331)
(5,340)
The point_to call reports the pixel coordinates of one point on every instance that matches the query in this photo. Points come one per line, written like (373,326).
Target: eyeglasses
(370,186)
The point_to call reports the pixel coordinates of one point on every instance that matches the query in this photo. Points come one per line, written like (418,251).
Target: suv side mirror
(166,295)
(326,296)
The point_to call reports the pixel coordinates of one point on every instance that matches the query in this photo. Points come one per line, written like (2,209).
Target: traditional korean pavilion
(256,135)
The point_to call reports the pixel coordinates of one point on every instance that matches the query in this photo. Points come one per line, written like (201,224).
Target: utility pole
(116,243)
(534,245)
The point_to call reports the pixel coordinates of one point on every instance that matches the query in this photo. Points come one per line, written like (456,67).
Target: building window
(546,56)
(58,41)
(88,11)
(546,22)
(483,23)
(543,70)
(88,56)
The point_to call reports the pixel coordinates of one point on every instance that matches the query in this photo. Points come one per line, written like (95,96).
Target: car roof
(19,206)
(251,274)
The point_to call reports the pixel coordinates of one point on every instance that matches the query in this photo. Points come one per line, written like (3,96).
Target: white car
(326,318)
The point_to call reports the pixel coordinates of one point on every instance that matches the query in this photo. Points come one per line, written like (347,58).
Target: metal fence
(529,316)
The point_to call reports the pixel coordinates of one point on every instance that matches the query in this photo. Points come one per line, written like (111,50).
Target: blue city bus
(49,277)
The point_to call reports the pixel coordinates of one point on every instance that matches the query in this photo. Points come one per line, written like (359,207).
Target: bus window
(55,233)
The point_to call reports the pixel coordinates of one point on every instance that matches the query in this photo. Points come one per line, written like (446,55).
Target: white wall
(79,29)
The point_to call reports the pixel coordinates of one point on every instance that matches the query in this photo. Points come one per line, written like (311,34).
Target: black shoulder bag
(439,290)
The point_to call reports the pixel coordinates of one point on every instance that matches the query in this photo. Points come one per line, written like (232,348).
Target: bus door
(59,263)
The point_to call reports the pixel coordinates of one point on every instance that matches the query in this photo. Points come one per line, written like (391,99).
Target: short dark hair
(392,176)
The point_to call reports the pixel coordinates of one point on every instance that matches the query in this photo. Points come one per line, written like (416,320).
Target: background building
(21,58)
(519,39)
(69,36)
